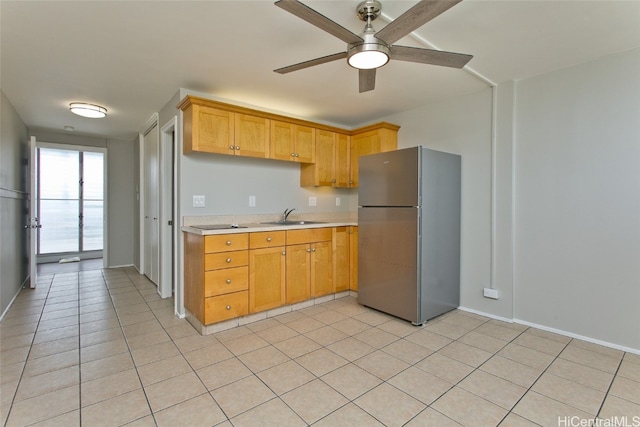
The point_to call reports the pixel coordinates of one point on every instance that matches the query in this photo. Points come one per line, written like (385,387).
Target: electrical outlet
(491,293)
(337,201)
(313,201)
(198,201)
(252,201)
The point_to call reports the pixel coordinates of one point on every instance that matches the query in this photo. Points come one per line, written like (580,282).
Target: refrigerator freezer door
(388,262)
(390,178)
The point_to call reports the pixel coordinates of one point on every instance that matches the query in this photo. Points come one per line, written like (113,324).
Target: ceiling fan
(372,49)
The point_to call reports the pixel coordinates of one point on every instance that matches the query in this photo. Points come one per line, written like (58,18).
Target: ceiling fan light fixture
(88,110)
(367,56)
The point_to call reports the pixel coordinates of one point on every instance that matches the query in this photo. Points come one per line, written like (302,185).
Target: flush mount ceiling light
(88,110)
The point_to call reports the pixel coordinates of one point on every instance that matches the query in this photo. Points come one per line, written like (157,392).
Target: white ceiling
(132,56)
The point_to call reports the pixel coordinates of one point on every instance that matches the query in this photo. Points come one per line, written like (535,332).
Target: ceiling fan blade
(367,80)
(429,56)
(314,18)
(311,63)
(414,18)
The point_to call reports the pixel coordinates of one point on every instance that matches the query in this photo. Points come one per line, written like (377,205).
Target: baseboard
(554,330)
(24,285)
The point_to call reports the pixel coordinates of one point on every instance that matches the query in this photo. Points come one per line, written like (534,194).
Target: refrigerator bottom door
(388,268)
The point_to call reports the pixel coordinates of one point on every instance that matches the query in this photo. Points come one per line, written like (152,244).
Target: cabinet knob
(228,259)
(313,250)
(228,307)
(268,239)
(228,281)
(228,242)
(231,147)
(237,147)
(284,253)
(333,181)
(293,154)
(308,250)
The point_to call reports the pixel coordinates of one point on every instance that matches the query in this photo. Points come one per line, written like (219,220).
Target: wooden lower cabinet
(353,258)
(216,276)
(309,264)
(232,275)
(298,273)
(267,277)
(341,258)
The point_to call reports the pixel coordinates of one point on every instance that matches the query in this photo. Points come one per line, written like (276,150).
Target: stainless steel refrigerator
(409,233)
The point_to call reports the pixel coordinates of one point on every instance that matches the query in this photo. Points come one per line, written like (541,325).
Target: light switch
(313,201)
(252,201)
(337,201)
(198,201)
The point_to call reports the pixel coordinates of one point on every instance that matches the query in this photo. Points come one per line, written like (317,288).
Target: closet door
(151,205)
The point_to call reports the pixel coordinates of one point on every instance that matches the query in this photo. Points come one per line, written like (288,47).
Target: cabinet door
(212,130)
(267,277)
(361,145)
(342,165)
(282,141)
(252,136)
(325,158)
(298,273)
(321,271)
(341,258)
(305,144)
(353,254)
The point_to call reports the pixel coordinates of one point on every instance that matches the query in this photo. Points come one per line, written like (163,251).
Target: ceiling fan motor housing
(368,10)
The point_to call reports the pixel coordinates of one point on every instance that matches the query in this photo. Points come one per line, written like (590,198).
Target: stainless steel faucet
(286,214)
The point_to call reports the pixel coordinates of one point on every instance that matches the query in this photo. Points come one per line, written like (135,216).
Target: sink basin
(290,222)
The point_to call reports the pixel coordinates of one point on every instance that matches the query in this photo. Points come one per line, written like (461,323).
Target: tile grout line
(124,335)
(15,393)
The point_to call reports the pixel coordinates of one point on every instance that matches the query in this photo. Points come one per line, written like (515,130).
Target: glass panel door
(59,177)
(71,201)
(92,201)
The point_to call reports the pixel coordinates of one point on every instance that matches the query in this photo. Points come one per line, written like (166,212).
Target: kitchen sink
(290,222)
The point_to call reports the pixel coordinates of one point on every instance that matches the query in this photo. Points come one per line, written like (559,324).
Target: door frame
(168,209)
(34,198)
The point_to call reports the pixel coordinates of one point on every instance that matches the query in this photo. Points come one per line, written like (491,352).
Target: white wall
(565,197)
(13,201)
(462,126)
(577,186)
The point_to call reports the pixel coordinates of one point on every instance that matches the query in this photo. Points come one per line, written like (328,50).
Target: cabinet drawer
(226,242)
(308,235)
(226,260)
(225,307)
(266,239)
(218,282)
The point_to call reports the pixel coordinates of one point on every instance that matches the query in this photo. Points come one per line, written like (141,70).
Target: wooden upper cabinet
(331,167)
(208,129)
(292,142)
(372,139)
(251,135)
(328,155)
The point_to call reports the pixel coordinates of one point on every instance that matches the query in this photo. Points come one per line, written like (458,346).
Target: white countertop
(256,227)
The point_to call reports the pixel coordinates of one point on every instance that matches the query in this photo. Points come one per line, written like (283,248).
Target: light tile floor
(101,348)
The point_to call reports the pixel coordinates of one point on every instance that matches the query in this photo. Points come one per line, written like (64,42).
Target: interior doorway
(71,202)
